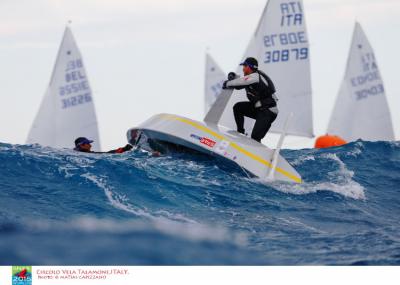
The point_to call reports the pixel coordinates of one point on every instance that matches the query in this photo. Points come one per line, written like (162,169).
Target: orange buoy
(328,141)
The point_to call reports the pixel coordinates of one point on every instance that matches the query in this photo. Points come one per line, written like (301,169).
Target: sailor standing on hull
(260,91)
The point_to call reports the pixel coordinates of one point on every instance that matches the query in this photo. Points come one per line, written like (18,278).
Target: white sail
(361,110)
(213,83)
(67,110)
(280,44)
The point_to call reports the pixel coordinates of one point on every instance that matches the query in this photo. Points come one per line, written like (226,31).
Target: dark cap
(82,140)
(251,62)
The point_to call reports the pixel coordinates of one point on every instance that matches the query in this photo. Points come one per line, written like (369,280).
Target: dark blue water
(63,207)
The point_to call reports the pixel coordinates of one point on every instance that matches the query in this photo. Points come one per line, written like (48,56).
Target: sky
(148,57)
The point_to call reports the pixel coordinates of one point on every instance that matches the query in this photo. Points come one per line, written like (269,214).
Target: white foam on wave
(121,202)
(116,200)
(4,148)
(339,181)
(297,223)
(67,170)
(38,151)
(81,159)
(67,160)
(75,162)
(356,151)
(179,171)
(395,143)
(301,159)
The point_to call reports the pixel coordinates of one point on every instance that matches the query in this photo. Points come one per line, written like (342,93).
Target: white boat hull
(217,141)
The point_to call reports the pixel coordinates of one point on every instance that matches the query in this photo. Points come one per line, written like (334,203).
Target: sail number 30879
(286,55)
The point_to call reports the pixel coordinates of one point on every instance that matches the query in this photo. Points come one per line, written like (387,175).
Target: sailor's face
(86,146)
(246,70)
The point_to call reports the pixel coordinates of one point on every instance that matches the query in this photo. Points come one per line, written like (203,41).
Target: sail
(213,83)
(361,110)
(280,44)
(67,110)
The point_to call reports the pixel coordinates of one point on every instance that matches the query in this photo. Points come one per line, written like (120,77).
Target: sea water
(60,207)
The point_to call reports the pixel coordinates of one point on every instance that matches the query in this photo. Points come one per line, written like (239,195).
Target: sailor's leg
(263,124)
(240,110)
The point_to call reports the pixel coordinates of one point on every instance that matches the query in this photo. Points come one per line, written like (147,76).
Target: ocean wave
(198,210)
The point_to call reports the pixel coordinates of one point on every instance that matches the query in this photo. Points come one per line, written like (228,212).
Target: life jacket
(262,91)
(266,91)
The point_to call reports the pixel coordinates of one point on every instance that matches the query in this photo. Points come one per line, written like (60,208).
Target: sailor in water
(83,144)
(260,91)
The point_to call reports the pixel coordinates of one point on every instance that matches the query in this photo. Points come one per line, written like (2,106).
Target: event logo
(22,275)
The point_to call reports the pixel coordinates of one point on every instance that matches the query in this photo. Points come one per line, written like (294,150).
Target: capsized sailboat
(207,137)
(361,110)
(281,44)
(67,110)
(214,78)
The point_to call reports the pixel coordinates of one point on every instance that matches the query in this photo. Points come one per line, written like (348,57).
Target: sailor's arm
(121,149)
(244,81)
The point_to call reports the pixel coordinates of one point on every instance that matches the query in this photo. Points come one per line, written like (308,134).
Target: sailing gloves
(231,76)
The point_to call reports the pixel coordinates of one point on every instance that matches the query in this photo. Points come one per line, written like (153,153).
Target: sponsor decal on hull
(204,140)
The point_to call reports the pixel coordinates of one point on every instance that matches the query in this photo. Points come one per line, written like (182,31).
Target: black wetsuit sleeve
(121,149)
